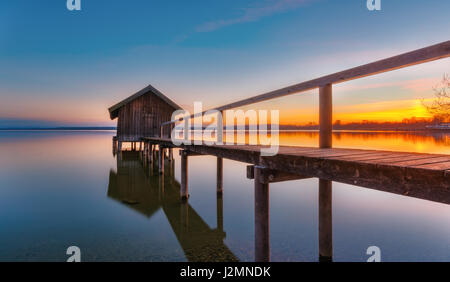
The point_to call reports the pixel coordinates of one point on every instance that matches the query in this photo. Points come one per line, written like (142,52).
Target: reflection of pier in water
(134,186)
(137,185)
(142,185)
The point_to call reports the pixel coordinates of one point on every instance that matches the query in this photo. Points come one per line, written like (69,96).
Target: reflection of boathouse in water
(134,186)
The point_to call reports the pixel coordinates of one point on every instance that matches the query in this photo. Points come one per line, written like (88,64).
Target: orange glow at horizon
(388,111)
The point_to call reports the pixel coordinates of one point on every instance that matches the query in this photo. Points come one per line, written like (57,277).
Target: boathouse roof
(114,110)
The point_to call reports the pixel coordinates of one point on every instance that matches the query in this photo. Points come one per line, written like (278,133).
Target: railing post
(162,131)
(325,186)
(184,176)
(220,128)
(325,116)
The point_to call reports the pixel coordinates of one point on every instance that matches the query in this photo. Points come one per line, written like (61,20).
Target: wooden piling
(150,153)
(114,145)
(219,176)
(325,221)
(262,235)
(170,154)
(161,160)
(184,176)
(143,152)
(325,116)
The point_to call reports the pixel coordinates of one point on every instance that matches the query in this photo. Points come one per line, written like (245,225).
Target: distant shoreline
(56,128)
(109,128)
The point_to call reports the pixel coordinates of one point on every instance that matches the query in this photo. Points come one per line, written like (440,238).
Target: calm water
(59,189)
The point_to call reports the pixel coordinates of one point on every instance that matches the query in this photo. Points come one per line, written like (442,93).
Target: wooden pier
(425,176)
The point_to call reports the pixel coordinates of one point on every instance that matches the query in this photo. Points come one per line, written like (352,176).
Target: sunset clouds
(254,12)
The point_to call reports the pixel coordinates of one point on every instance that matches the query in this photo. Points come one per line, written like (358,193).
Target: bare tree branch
(440,106)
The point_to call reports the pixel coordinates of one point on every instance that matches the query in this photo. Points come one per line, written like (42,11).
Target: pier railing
(324,83)
(409,177)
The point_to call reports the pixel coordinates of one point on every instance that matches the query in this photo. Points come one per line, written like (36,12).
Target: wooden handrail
(427,54)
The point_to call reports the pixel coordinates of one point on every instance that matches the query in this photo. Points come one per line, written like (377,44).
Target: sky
(67,67)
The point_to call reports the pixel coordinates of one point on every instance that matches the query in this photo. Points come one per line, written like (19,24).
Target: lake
(65,188)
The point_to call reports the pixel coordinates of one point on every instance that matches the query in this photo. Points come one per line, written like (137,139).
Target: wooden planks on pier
(425,176)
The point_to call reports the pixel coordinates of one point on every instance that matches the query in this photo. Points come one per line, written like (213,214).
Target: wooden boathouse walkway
(425,176)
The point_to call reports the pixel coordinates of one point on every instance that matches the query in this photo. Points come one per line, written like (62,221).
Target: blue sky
(69,66)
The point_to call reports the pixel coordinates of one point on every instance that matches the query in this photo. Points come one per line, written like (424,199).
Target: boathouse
(141,115)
